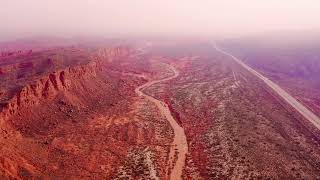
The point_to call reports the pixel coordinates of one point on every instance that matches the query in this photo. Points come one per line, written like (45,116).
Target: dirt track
(179,143)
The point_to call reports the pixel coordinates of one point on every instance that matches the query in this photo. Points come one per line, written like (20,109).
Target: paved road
(179,144)
(314,119)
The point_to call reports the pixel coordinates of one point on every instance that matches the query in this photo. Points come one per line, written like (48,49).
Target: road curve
(179,143)
(314,119)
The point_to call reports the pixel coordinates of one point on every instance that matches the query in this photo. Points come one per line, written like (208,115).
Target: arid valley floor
(160,110)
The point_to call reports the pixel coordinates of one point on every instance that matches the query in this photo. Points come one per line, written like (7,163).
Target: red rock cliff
(49,85)
(46,87)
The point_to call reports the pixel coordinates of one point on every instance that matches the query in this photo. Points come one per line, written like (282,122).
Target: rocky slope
(46,87)
(39,104)
(79,117)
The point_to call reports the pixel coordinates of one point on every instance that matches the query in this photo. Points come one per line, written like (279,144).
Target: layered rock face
(74,114)
(46,87)
(31,111)
(48,84)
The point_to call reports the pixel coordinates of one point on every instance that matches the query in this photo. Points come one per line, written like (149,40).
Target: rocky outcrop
(111,54)
(47,87)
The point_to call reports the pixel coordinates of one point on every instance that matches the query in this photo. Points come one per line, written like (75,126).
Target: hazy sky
(19,18)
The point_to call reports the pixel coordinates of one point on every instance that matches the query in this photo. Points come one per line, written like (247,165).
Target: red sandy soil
(236,127)
(79,120)
(73,113)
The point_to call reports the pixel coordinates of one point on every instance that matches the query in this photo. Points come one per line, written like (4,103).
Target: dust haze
(227,18)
